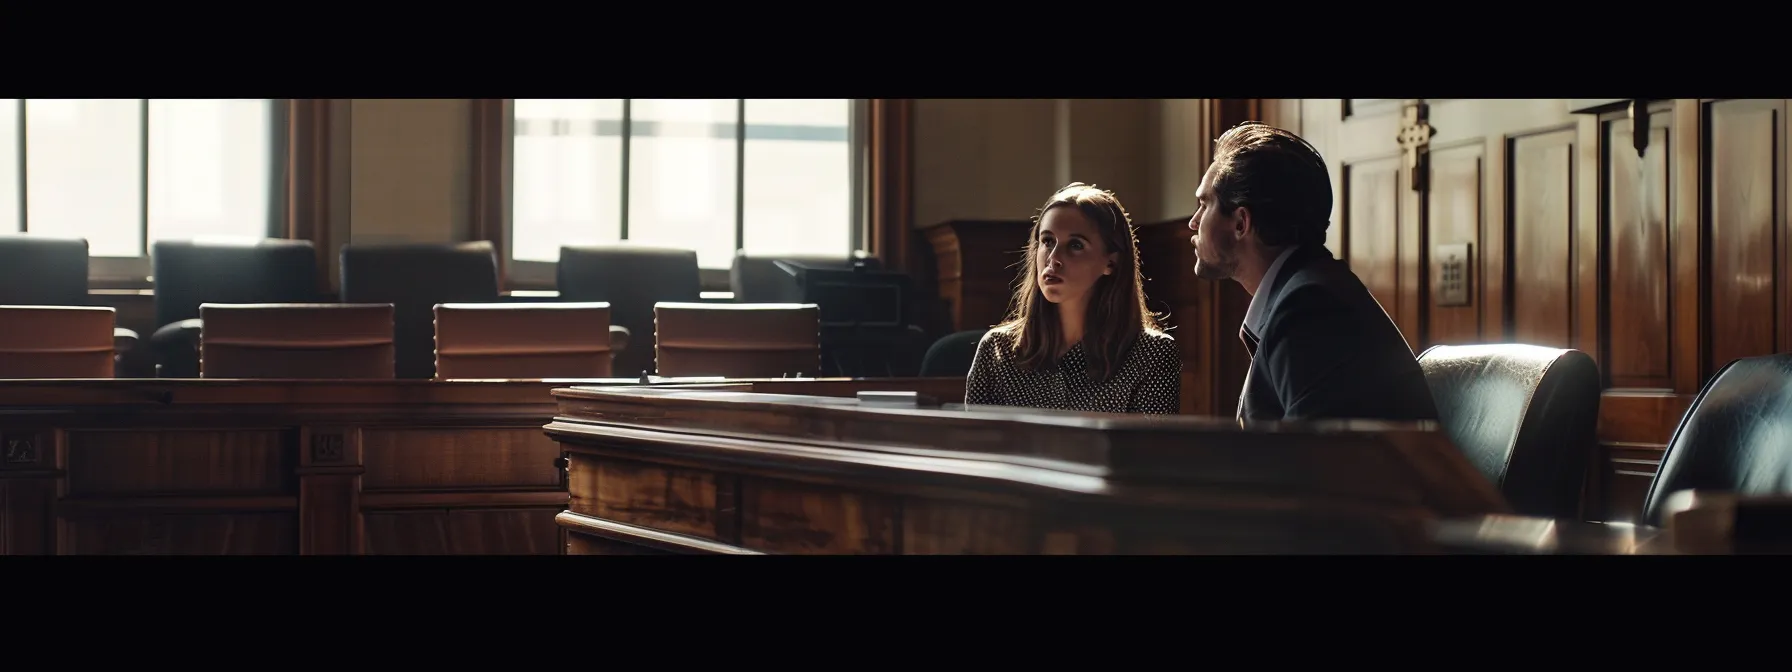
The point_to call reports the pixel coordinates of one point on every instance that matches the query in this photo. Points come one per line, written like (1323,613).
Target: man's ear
(1241,222)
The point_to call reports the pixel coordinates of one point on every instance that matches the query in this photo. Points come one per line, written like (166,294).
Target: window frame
(135,272)
(540,275)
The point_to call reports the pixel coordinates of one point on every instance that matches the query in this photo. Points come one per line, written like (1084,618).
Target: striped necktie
(1250,344)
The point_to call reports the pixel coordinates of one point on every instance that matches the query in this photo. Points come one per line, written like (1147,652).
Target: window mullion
(280,125)
(24,193)
(740,174)
(627,135)
(143,196)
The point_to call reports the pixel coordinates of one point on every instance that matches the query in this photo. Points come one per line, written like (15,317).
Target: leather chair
(1525,415)
(737,340)
(522,340)
(414,277)
(1736,437)
(38,270)
(757,278)
(631,278)
(952,355)
(56,342)
(320,341)
(895,350)
(189,274)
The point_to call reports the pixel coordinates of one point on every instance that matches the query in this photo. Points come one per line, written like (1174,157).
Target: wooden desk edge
(666,541)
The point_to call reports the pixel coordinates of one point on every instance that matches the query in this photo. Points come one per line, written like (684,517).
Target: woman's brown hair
(1117,312)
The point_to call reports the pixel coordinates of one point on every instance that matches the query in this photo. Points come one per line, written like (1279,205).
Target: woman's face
(1070,255)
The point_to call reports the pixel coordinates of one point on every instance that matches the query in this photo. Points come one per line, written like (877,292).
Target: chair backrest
(56,341)
(38,270)
(189,273)
(1525,415)
(737,340)
(1736,437)
(522,340)
(952,354)
(631,278)
(332,341)
(414,278)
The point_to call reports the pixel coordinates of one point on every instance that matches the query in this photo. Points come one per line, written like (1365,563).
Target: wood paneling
(324,467)
(791,518)
(1541,228)
(1203,316)
(1372,226)
(1453,217)
(180,534)
(976,262)
(1745,286)
(425,458)
(464,532)
(1637,279)
(1663,263)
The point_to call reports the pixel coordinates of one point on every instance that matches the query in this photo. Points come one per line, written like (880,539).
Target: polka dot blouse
(1149,379)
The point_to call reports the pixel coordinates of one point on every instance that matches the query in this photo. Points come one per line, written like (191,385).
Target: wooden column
(308,179)
(891,229)
(330,469)
(28,478)
(486,211)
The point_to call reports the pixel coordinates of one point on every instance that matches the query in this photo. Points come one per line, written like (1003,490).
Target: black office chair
(39,270)
(414,277)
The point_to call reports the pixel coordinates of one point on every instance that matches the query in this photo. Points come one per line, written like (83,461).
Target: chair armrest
(619,338)
(178,336)
(1502,534)
(123,340)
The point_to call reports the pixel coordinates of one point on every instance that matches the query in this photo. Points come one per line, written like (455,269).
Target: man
(1321,346)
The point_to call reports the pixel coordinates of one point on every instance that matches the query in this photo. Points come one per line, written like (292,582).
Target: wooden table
(728,471)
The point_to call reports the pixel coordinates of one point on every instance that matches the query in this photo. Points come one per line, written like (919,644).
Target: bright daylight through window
(123,173)
(680,173)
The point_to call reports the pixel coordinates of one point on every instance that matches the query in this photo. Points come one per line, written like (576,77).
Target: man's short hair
(1280,177)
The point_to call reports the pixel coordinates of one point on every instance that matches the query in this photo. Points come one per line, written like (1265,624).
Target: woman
(1079,336)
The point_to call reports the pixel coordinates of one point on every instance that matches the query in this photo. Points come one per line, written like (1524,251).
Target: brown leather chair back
(330,341)
(737,340)
(523,340)
(56,341)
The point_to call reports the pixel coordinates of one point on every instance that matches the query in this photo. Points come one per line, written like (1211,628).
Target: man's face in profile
(1216,235)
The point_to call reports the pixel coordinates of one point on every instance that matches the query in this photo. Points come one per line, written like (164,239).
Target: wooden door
(1416,183)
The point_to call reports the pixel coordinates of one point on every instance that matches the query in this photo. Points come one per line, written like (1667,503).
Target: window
(710,175)
(123,173)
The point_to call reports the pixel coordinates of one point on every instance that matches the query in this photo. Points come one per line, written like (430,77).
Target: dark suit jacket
(1329,350)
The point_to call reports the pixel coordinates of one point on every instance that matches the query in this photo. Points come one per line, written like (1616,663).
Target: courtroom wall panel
(1650,235)
(259,467)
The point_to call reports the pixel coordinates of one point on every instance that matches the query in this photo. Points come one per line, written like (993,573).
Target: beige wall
(1001,158)
(410,170)
(403,168)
